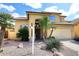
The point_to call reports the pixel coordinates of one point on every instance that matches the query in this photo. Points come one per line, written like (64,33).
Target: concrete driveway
(72,45)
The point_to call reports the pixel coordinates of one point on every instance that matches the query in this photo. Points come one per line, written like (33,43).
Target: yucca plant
(53,43)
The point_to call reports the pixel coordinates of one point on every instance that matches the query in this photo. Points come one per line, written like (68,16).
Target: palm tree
(6,21)
(45,24)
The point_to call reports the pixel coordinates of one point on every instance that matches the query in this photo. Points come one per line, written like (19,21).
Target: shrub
(52,43)
(23,33)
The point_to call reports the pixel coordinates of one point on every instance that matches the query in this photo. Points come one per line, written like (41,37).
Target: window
(52,17)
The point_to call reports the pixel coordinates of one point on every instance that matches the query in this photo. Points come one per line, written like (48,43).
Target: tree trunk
(45,33)
(51,33)
(1,37)
(41,33)
(2,32)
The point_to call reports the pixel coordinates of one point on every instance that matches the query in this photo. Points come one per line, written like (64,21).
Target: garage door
(62,33)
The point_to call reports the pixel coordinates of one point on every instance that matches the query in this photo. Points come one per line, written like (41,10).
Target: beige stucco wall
(12,34)
(33,17)
(60,32)
(76,30)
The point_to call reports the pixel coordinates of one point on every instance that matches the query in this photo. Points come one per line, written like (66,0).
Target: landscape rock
(20,45)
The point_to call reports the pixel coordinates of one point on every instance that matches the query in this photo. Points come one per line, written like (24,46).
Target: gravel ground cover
(10,48)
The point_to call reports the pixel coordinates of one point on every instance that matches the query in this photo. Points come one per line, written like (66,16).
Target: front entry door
(37,34)
(37,30)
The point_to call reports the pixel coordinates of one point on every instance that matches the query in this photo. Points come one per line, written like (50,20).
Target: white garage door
(62,33)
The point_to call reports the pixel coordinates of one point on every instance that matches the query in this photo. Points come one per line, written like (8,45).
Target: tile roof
(20,18)
(43,12)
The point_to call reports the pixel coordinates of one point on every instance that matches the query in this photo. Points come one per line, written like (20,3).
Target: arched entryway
(37,30)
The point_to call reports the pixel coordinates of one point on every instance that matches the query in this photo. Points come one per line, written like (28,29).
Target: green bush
(23,33)
(53,43)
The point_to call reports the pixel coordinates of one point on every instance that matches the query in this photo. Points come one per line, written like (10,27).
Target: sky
(71,10)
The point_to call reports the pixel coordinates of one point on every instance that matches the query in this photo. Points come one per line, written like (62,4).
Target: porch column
(31,32)
(32,36)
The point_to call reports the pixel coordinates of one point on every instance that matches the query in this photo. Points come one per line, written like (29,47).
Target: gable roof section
(28,12)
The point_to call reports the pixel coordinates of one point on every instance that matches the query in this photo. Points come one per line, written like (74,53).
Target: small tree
(23,33)
(53,43)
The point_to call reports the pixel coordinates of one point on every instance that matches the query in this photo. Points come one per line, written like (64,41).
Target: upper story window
(52,17)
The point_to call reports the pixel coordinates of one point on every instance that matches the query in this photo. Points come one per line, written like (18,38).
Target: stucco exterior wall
(60,32)
(76,30)
(12,34)
(33,17)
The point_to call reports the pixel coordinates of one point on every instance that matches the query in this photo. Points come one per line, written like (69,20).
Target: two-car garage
(63,32)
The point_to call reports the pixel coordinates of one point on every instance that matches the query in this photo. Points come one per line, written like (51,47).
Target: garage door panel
(62,33)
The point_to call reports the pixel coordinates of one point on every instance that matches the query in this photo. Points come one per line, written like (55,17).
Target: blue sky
(71,10)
